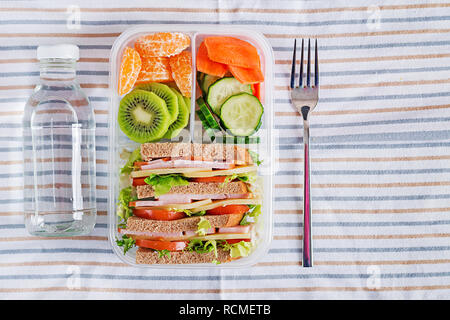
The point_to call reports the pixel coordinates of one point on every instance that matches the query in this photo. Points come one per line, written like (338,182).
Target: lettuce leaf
(126,242)
(203,226)
(163,183)
(200,246)
(125,197)
(249,178)
(228,179)
(255,157)
(239,249)
(251,216)
(211,244)
(134,156)
(163,253)
(189,213)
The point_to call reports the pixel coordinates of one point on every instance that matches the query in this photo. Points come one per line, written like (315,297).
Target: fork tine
(316,67)
(308,72)
(300,76)
(293,66)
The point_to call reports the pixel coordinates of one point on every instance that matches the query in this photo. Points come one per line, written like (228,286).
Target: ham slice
(236,229)
(169,236)
(158,203)
(187,198)
(154,164)
(193,233)
(155,235)
(183,163)
(202,164)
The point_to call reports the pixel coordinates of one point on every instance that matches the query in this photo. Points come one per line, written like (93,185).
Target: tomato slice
(230,209)
(256,90)
(139,182)
(219,179)
(231,241)
(158,214)
(162,245)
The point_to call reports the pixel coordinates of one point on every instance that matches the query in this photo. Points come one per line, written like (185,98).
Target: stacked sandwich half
(189,203)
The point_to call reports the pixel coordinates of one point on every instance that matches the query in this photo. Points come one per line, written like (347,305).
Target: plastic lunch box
(118,141)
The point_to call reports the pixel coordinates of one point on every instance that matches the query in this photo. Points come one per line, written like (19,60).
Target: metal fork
(304,98)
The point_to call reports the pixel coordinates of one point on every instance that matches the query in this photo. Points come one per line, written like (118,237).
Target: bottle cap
(58,51)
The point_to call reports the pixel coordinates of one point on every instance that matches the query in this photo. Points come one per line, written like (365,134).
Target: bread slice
(149,256)
(151,151)
(235,187)
(185,224)
(206,152)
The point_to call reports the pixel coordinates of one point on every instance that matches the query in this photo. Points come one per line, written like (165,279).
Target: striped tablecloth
(380,152)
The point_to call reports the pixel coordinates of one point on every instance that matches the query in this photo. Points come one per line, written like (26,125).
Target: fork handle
(307,238)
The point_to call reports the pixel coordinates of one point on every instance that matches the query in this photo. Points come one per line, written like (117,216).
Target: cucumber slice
(207,81)
(216,135)
(222,89)
(210,131)
(241,114)
(207,114)
(202,119)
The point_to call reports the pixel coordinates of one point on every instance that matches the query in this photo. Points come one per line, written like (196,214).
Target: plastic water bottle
(59,149)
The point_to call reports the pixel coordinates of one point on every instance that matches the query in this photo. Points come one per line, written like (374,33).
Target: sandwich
(188,203)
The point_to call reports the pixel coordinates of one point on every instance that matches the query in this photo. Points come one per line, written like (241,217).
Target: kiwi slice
(165,92)
(143,116)
(187,101)
(182,120)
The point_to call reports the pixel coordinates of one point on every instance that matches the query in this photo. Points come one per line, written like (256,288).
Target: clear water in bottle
(59,149)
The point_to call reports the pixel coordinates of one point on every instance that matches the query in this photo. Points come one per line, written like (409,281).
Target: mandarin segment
(162,44)
(155,69)
(181,66)
(129,70)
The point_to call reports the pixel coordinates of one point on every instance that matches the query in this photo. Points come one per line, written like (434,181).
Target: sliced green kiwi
(187,101)
(182,120)
(143,116)
(163,91)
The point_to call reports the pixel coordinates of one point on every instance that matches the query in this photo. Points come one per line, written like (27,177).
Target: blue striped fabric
(380,152)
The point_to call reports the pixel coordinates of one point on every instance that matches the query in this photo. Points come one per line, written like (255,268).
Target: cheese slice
(146,173)
(221,203)
(223,236)
(213,173)
(215,236)
(208,204)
